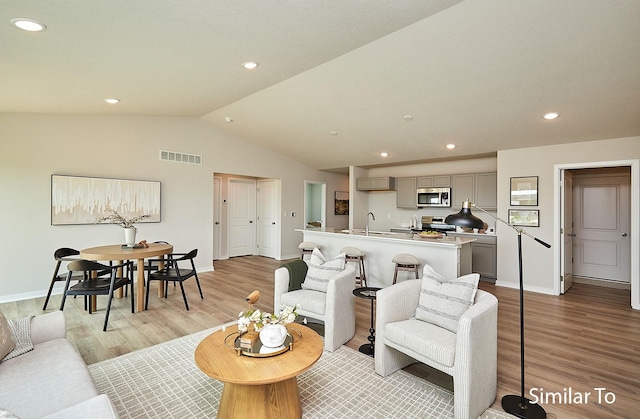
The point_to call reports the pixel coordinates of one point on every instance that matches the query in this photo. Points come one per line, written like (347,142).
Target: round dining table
(119,252)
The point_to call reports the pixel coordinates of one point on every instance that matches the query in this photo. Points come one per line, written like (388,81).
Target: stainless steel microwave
(434,197)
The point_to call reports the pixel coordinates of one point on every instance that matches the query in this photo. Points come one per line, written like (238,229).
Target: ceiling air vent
(180,157)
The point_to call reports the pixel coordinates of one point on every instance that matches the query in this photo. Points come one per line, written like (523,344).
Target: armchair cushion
(426,339)
(442,301)
(321,271)
(314,302)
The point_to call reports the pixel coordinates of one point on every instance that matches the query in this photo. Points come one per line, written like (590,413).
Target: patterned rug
(163,381)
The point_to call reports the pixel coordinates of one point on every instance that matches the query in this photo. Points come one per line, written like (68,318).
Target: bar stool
(355,255)
(405,262)
(307,248)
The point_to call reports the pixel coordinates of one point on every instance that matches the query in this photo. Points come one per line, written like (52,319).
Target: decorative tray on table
(257,349)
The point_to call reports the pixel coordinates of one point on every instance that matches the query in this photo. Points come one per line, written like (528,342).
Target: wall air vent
(179,157)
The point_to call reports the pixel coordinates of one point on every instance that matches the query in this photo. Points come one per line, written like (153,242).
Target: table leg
(140,286)
(276,400)
(369,348)
(119,293)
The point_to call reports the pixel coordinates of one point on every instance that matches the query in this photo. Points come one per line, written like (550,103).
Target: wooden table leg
(119,293)
(140,286)
(268,401)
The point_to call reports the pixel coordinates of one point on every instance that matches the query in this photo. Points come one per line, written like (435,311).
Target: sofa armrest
(281,286)
(96,407)
(48,327)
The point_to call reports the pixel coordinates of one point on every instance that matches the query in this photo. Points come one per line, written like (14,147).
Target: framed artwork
(524,218)
(524,191)
(82,200)
(341,203)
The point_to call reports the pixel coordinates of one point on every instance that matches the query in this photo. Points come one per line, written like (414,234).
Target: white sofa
(469,356)
(336,307)
(52,380)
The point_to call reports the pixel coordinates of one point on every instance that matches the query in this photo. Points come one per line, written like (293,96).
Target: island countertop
(449,256)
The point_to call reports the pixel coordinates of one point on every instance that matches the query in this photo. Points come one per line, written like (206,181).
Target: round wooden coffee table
(264,387)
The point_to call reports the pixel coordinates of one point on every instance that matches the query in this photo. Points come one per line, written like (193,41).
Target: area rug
(163,381)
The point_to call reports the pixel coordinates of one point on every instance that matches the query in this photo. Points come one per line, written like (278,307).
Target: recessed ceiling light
(112,100)
(228,119)
(451,146)
(250,65)
(551,115)
(28,24)
(384,154)
(408,118)
(334,133)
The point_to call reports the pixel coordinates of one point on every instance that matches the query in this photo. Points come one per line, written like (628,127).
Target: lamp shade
(464,218)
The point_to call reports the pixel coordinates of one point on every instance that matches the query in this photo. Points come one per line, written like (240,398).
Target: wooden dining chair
(173,272)
(98,286)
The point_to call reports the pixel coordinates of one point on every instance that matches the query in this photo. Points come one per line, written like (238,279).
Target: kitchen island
(449,256)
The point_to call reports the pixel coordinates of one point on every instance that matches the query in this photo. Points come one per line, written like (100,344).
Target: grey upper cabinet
(376,184)
(406,192)
(438,181)
(479,188)
(462,189)
(486,187)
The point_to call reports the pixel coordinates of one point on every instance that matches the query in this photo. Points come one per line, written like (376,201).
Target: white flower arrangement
(260,319)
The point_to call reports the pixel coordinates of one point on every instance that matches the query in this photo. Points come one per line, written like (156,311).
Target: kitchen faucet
(366,223)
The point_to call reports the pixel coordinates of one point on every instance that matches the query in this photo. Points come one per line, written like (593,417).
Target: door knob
(624,234)
(251,222)
(216,223)
(273,223)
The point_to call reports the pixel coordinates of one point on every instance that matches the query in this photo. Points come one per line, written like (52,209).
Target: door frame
(635,221)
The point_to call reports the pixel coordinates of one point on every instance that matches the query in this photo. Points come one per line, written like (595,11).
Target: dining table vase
(130,236)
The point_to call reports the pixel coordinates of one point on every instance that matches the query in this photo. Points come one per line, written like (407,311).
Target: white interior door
(268,218)
(566,228)
(601,247)
(242,214)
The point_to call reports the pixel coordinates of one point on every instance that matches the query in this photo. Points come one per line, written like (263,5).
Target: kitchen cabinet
(484,255)
(479,188)
(406,192)
(438,181)
(376,184)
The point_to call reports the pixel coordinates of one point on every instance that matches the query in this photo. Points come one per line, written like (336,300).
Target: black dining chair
(65,254)
(173,272)
(89,286)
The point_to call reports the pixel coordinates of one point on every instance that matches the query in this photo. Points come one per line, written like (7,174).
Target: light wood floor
(587,339)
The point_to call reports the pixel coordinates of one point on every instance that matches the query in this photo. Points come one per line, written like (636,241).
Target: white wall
(32,147)
(538,261)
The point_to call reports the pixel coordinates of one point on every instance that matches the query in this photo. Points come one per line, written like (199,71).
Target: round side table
(368,293)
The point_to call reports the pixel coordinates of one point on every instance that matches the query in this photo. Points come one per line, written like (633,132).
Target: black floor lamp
(519,406)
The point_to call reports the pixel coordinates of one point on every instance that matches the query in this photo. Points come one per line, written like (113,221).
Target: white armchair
(336,307)
(469,356)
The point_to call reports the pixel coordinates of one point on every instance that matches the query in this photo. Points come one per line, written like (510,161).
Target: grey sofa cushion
(54,371)
(6,342)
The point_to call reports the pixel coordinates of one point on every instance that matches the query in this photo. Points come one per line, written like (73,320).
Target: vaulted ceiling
(338,81)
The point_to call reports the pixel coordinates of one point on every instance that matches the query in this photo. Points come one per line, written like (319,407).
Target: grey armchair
(336,307)
(469,356)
